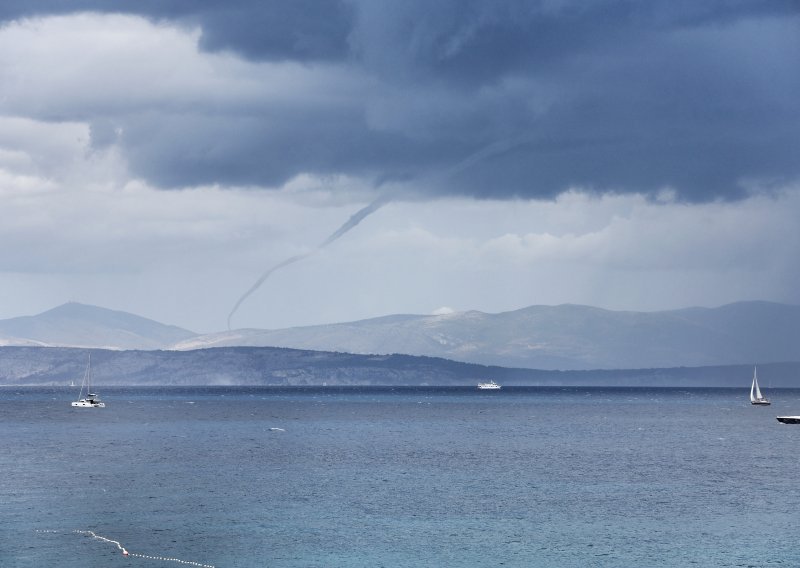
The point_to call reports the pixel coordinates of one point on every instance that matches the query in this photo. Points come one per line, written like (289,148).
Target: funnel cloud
(354,220)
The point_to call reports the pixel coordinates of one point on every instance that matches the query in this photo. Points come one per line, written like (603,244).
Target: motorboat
(788,419)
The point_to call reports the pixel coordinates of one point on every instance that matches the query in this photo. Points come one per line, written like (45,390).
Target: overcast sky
(161,157)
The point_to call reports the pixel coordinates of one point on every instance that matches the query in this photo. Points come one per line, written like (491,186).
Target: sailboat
(755,393)
(91,400)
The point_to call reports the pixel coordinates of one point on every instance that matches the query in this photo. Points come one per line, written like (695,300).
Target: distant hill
(80,325)
(556,337)
(268,366)
(566,337)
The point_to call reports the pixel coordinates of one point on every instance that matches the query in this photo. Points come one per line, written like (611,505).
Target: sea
(398,477)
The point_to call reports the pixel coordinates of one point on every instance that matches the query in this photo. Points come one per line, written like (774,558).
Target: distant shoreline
(281,367)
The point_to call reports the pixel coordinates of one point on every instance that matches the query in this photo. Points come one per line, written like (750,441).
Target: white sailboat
(91,400)
(755,393)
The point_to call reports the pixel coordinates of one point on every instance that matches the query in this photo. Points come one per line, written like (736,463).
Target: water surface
(423,477)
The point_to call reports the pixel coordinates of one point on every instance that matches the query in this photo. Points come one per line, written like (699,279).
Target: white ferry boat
(491,385)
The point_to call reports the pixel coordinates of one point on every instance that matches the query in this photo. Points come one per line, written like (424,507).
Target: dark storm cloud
(256,29)
(637,96)
(476,41)
(608,95)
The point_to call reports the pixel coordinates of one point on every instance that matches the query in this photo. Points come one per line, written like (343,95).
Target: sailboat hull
(88,404)
(760,402)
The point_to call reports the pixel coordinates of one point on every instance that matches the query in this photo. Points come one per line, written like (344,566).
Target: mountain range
(556,337)
(565,337)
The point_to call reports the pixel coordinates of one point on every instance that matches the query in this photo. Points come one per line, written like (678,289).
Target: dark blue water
(395,478)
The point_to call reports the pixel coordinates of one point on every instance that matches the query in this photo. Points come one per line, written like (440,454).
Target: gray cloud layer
(609,95)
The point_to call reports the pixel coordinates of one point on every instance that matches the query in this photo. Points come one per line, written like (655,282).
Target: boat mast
(89,376)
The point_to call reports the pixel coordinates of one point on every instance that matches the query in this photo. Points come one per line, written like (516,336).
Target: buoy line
(128,554)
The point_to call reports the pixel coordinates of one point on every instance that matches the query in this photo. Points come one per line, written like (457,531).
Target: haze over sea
(423,477)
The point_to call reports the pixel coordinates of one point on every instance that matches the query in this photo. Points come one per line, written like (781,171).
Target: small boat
(788,419)
(491,385)
(755,393)
(91,400)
